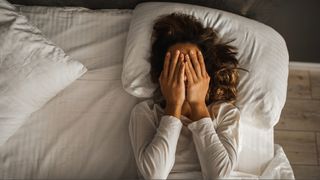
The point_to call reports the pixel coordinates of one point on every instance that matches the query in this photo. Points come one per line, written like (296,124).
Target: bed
(83,131)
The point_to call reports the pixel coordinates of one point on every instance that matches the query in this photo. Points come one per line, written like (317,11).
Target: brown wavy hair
(220,58)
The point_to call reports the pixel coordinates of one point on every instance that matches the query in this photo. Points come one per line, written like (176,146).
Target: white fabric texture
(165,148)
(32,70)
(82,133)
(261,50)
(262,91)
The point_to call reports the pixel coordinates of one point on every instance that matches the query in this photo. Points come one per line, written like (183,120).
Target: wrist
(197,105)
(174,104)
(173,110)
(199,111)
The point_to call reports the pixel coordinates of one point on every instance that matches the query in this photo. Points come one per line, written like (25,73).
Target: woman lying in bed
(190,128)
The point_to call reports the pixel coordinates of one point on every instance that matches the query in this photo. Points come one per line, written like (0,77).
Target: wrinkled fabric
(261,91)
(165,148)
(32,70)
(83,131)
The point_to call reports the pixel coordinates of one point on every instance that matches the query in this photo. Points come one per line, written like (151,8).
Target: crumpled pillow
(32,70)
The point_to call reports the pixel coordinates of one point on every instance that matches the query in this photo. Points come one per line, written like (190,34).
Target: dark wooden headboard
(239,7)
(296,20)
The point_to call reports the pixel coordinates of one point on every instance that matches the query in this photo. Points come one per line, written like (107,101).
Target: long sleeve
(217,148)
(154,147)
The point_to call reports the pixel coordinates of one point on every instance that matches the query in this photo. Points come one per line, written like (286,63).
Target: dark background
(298,21)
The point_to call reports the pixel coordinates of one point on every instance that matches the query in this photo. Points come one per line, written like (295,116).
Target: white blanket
(83,132)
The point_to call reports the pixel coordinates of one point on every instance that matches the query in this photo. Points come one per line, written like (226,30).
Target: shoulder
(147,109)
(220,107)
(224,111)
(228,107)
(144,106)
(147,105)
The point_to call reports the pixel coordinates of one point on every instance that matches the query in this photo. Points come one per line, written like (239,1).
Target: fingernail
(191,52)
(187,56)
(167,54)
(178,51)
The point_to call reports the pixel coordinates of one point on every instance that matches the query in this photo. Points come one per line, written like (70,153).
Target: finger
(177,70)
(182,72)
(173,64)
(188,72)
(191,70)
(195,63)
(202,64)
(166,64)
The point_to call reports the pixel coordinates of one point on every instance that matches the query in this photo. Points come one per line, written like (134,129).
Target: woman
(190,128)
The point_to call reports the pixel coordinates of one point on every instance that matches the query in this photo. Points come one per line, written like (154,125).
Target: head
(185,32)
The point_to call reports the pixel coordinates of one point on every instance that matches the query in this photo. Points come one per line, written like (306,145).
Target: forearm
(217,156)
(155,156)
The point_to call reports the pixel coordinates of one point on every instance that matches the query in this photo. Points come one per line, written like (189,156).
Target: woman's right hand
(198,85)
(172,83)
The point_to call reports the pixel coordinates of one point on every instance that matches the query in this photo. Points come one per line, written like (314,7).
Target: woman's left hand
(197,85)
(198,78)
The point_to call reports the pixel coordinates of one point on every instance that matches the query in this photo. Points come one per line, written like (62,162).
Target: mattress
(83,131)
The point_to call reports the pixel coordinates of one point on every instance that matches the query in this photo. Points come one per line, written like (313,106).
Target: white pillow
(32,70)
(262,51)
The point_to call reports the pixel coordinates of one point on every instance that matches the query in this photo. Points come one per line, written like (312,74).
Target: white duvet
(83,131)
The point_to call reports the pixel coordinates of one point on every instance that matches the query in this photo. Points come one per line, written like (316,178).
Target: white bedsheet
(83,132)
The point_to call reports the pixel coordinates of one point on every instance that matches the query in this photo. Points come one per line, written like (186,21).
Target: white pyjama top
(165,148)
